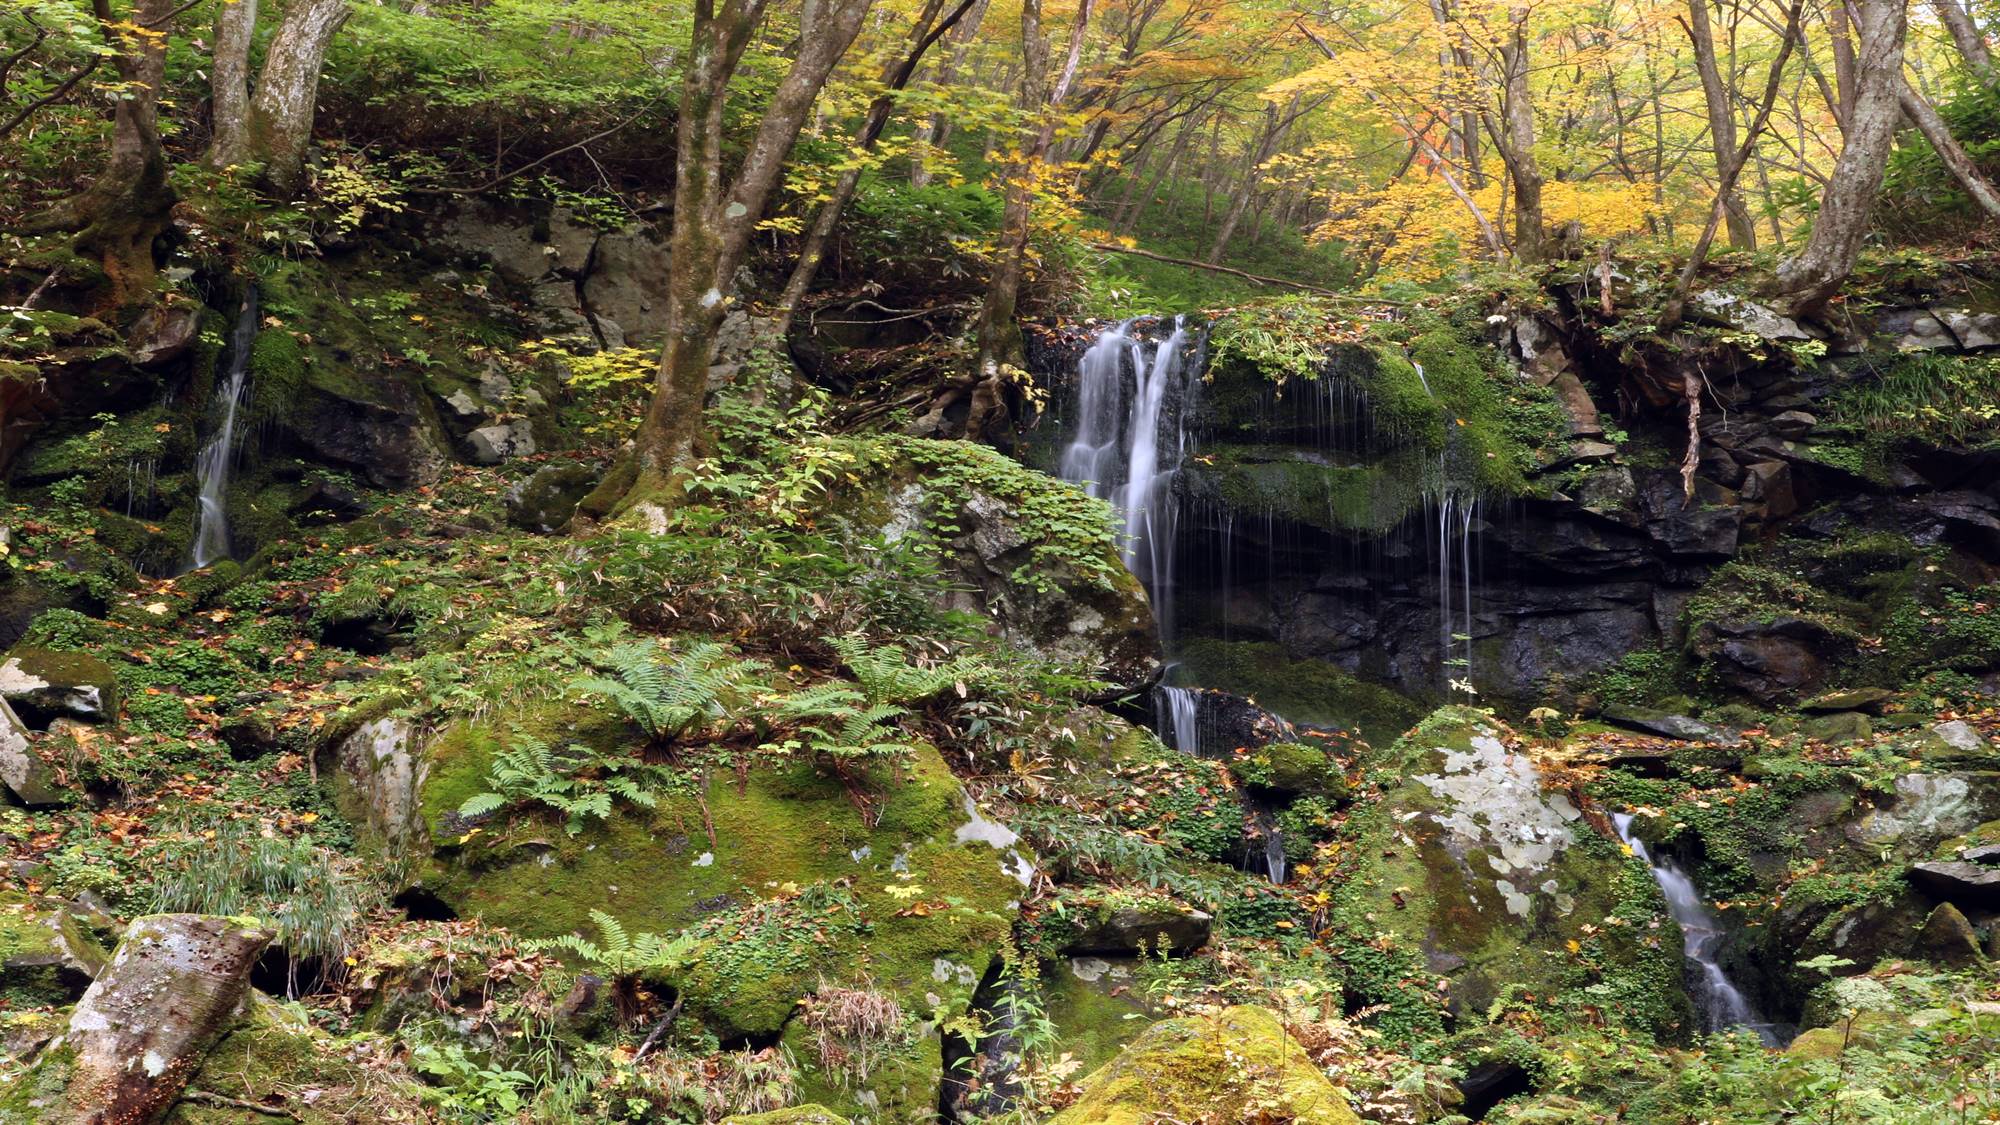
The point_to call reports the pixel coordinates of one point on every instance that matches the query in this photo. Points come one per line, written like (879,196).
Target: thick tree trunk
(712,230)
(281,110)
(1807,280)
(1721,123)
(229,83)
(1934,129)
(147,1022)
(1966,35)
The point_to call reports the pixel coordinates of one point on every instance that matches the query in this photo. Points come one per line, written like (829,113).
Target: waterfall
(211,539)
(1457,511)
(1720,1003)
(1177,714)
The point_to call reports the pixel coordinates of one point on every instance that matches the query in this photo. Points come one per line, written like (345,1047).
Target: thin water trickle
(1177,714)
(218,457)
(1721,1004)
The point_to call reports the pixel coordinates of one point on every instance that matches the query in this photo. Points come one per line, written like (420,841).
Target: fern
(840,723)
(666,699)
(620,954)
(887,676)
(580,783)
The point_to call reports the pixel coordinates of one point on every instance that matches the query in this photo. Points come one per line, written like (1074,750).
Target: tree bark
(1806,281)
(1517,145)
(1919,110)
(145,1025)
(1721,123)
(281,110)
(712,230)
(229,83)
(1971,44)
(1842,39)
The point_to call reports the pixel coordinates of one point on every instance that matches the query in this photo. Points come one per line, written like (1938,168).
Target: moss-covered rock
(1304,691)
(275,1060)
(1237,1065)
(1470,873)
(44,684)
(794,1115)
(46,955)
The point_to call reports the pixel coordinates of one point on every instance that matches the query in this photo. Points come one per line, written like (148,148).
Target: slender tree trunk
(1128,219)
(1262,149)
(712,229)
(937,127)
(1965,34)
(1807,280)
(281,109)
(895,78)
(997,331)
(1721,123)
(229,82)
(1841,36)
(1962,169)
(1520,147)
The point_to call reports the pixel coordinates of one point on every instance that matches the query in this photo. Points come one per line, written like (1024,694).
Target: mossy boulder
(1472,874)
(46,955)
(785,874)
(1239,1064)
(43,685)
(1032,555)
(1096,1006)
(1312,692)
(277,1061)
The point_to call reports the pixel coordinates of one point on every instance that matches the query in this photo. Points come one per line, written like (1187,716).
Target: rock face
(1032,555)
(1237,1065)
(145,1026)
(1477,873)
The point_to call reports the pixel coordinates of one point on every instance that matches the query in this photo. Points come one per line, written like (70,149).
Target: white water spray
(211,539)
(1721,1004)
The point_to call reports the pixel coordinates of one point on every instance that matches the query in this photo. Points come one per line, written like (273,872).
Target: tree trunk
(1971,43)
(1255,155)
(229,83)
(168,994)
(1520,148)
(712,230)
(895,78)
(936,127)
(1807,280)
(1721,123)
(281,109)
(1962,169)
(1842,38)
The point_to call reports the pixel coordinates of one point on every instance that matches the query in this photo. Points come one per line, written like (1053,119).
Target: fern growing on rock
(673,698)
(578,781)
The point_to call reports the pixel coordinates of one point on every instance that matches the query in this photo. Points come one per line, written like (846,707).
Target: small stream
(218,457)
(1718,1001)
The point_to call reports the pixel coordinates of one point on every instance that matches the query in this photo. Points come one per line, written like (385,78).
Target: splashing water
(1719,1002)
(211,539)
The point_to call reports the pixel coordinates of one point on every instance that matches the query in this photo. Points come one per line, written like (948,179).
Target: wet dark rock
(1770,660)
(1129,930)
(163,333)
(1958,881)
(1868,699)
(1793,424)
(324,501)
(44,685)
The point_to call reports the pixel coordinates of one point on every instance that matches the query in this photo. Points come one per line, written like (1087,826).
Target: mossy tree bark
(1515,139)
(147,1022)
(713,225)
(1810,278)
(126,206)
(271,126)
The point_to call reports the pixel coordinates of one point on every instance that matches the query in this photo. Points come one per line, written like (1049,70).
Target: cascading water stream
(1719,1002)
(211,538)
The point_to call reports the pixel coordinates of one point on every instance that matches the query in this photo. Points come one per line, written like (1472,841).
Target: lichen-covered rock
(1237,1065)
(145,1026)
(42,685)
(377,772)
(23,771)
(1473,875)
(546,500)
(1926,809)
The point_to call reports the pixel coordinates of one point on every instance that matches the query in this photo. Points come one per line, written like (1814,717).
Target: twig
(210,1098)
(55,95)
(659,1029)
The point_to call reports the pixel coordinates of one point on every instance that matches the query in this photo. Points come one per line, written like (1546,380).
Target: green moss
(1094,1020)
(1304,691)
(899,1086)
(794,1115)
(273,1055)
(44,952)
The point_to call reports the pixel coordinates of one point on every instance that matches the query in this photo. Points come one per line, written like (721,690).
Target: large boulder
(22,770)
(1473,877)
(170,991)
(1239,1064)
(46,955)
(376,772)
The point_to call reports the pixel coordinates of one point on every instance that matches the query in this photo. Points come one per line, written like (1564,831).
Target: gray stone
(1971,330)
(492,235)
(1588,451)
(1767,490)
(1853,699)
(164,333)
(1958,738)
(490,445)
(1146,927)
(21,769)
(43,686)
(545,501)
(1667,725)
(1794,424)
(571,240)
(1748,315)
(377,773)
(1968,884)
(628,282)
